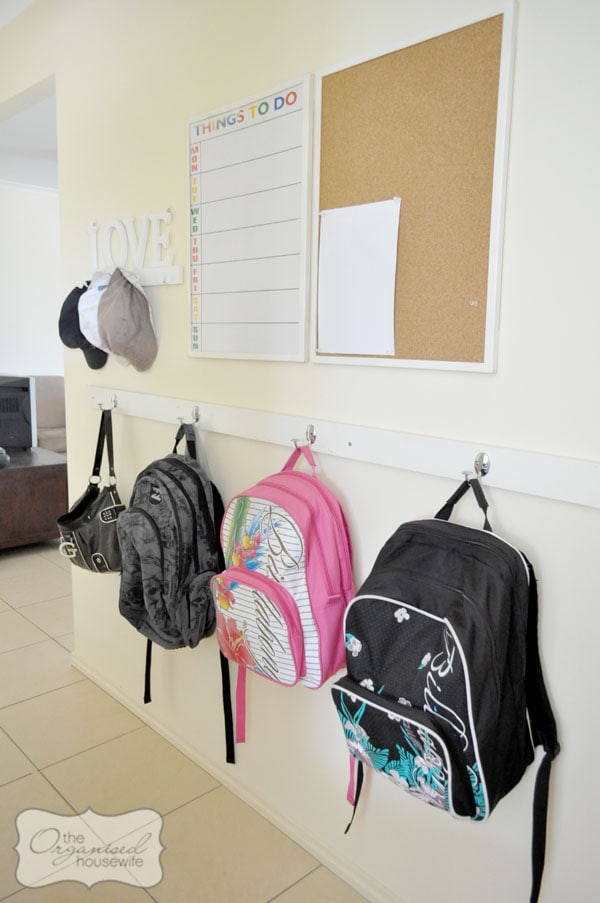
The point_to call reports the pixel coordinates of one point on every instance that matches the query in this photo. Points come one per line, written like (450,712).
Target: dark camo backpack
(444,691)
(170,550)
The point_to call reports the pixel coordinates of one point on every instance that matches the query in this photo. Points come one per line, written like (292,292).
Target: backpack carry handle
(293,458)
(187,430)
(474,484)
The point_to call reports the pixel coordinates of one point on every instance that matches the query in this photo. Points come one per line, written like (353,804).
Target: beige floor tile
(70,892)
(35,669)
(13,763)
(323,886)
(65,722)
(67,641)
(45,581)
(219,849)
(55,617)
(49,551)
(18,561)
(17,631)
(15,562)
(31,792)
(140,770)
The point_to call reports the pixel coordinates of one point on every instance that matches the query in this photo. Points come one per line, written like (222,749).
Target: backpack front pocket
(406,744)
(258,624)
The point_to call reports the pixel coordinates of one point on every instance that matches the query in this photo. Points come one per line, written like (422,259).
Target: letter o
(117,226)
(263,107)
(37,847)
(290,98)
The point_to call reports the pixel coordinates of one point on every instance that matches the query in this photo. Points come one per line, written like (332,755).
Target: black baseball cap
(71,334)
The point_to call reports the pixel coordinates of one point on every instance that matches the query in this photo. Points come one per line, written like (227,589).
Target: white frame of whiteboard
(505,86)
(305,221)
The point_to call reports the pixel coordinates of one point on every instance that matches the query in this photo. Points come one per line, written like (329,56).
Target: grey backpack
(170,550)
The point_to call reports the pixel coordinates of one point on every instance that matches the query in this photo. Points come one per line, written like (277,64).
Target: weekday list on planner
(248,196)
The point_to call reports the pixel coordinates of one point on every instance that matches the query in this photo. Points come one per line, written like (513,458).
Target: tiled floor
(65,745)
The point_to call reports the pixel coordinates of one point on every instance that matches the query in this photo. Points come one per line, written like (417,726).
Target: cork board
(421,123)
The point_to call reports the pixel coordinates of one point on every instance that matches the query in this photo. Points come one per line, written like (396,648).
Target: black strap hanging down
(227,710)
(359,783)
(147,696)
(543,728)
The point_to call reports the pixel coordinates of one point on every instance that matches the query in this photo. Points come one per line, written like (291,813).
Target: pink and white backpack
(281,599)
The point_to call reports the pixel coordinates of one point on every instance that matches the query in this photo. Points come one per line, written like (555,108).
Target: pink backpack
(281,599)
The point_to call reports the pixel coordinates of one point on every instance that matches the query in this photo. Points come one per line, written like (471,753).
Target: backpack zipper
(299,498)
(202,498)
(501,550)
(472,605)
(284,605)
(456,765)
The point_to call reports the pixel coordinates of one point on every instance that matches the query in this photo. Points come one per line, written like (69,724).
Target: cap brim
(95,357)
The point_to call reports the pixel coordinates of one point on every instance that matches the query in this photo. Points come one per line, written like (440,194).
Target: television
(18,427)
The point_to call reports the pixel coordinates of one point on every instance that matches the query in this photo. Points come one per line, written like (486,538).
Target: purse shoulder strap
(105,435)
(109,447)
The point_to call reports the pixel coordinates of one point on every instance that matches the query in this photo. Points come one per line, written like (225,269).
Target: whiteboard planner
(248,200)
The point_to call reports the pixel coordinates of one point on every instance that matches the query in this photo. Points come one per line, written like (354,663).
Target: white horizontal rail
(550,476)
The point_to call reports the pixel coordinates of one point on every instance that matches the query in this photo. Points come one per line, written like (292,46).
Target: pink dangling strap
(240,705)
(350,793)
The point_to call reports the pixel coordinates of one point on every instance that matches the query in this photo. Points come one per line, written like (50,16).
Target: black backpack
(444,690)
(170,550)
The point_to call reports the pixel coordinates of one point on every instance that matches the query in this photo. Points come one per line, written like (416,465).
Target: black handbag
(88,531)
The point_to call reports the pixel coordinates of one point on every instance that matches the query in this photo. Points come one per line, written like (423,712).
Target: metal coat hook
(311,436)
(113,403)
(481,466)
(195,417)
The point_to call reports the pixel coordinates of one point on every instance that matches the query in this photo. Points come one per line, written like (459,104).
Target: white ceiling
(28,147)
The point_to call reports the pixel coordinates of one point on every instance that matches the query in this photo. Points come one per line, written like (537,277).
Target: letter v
(138,247)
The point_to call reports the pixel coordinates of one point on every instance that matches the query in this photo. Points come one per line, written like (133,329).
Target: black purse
(88,531)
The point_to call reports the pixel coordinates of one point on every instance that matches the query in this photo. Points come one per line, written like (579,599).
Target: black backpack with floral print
(444,691)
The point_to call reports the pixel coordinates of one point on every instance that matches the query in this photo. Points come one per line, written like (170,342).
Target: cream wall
(128,77)
(30,282)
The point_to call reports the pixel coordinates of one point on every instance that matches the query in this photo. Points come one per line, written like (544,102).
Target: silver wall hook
(113,403)
(310,436)
(482,464)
